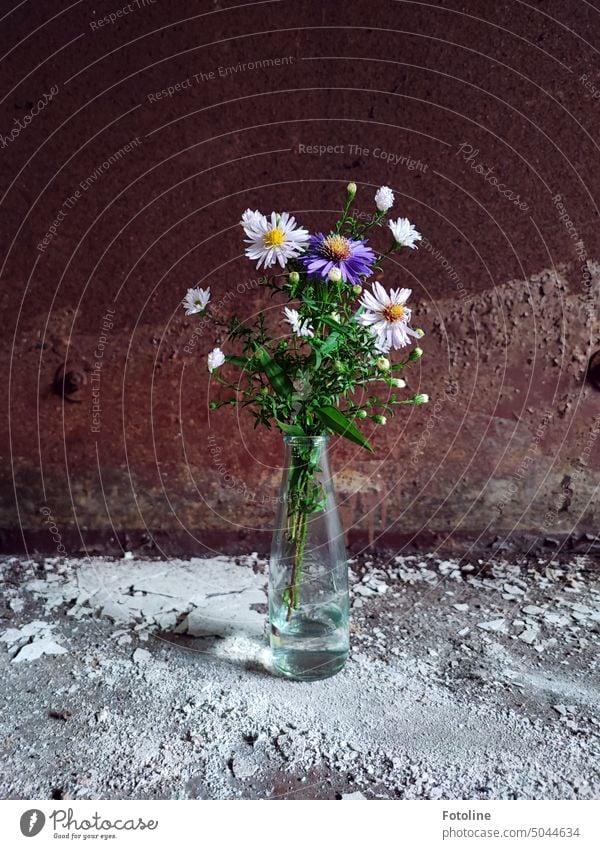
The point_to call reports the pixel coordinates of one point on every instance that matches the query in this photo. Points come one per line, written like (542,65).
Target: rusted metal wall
(133,135)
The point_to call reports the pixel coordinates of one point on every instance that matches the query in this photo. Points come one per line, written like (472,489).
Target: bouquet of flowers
(333,369)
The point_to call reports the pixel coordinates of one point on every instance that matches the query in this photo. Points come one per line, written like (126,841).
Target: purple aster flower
(351,256)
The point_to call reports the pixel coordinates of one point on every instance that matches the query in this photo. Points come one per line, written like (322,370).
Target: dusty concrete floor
(132,679)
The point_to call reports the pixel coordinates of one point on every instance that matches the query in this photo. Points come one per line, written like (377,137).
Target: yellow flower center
(393,312)
(274,238)
(336,247)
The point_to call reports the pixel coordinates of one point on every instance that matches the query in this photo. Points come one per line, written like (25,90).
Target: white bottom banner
(393,823)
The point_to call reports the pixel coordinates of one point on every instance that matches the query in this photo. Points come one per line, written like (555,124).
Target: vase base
(309,665)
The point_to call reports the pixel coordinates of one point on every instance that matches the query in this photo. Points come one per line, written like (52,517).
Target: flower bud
(294,277)
(420,333)
(214,405)
(382,363)
(335,275)
(415,354)
(380,420)
(351,189)
(335,316)
(361,414)
(339,366)
(398,383)
(421,399)
(384,198)
(357,289)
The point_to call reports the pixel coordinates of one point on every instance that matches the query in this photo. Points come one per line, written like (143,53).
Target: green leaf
(331,344)
(336,421)
(242,362)
(276,375)
(335,325)
(290,429)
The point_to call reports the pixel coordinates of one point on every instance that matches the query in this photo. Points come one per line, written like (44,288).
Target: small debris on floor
(141,656)
(31,641)
(60,714)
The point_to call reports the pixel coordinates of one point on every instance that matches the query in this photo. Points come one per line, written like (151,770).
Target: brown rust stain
(508,311)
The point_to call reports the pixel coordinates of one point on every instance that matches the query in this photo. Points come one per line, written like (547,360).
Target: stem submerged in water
(300,523)
(302,501)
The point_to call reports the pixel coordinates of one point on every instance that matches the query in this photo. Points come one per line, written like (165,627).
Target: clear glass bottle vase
(308,570)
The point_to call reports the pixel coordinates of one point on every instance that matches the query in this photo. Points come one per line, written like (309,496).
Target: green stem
(345,212)
(300,542)
(376,219)
(301,474)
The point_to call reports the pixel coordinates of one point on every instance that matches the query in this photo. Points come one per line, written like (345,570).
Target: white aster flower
(216,358)
(404,233)
(384,198)
(274,240)
(387,316)
(301,327)
(196,300)
(251,218)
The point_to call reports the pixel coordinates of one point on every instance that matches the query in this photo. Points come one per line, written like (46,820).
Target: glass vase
(308,570)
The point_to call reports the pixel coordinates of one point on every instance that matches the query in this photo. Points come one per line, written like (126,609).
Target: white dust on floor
(465,700)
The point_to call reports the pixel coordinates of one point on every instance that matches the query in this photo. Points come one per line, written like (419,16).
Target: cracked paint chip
(33,651)
(497,626)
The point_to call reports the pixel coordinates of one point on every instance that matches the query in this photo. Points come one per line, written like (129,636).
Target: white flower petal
(300,326)
(196,300)
(370,302)
(400,296)
(380,294)
(384,198)
(378,317)
(215,359)
(404,232)
(291,240)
